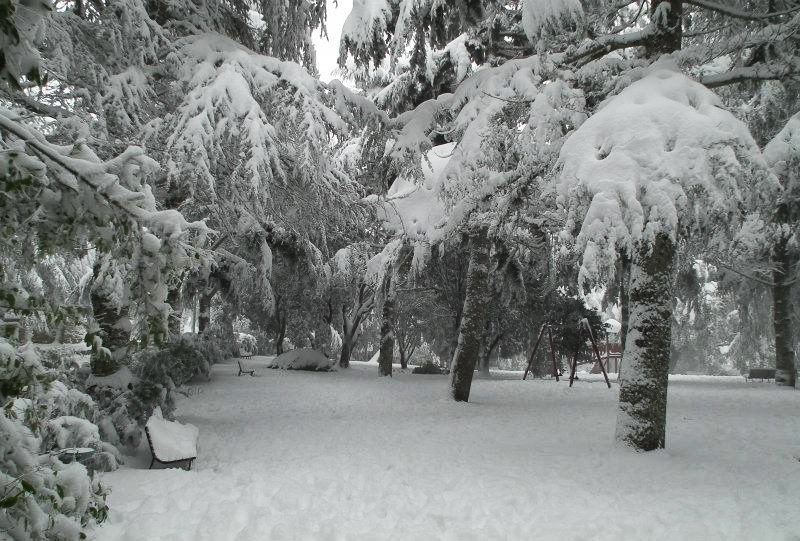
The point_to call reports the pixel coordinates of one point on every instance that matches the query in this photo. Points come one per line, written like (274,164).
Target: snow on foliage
(663,156)
(538,14)
(303,359)
(414,209)
(364,28)
(783,151)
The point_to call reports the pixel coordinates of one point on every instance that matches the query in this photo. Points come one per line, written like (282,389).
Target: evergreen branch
(737,13)
(759,72)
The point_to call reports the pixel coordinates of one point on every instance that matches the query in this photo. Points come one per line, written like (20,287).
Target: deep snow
(349,455)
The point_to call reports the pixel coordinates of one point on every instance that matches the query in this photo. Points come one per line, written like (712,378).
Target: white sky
(328,50)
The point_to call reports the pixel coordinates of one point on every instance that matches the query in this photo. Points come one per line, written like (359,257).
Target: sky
(328,49)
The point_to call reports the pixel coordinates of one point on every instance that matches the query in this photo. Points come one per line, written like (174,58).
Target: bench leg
(152,460)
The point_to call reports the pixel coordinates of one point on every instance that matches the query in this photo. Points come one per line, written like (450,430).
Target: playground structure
(583,327)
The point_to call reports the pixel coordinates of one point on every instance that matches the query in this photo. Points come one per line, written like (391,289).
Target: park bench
(171,443)
(761,373)
(243,371)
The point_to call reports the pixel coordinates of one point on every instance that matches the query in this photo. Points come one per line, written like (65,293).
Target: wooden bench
(171,443)
(761,373)
(243,371)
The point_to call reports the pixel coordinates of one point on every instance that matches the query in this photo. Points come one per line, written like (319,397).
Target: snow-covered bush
(303,359)
(41,497)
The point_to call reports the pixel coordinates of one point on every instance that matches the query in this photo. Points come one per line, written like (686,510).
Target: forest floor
(349,455)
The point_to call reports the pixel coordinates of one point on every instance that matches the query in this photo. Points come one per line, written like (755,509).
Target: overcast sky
(328,50)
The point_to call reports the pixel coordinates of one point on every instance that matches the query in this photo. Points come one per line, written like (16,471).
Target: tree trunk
(175,317)
(281,335)
(641,421)
(782,315)
(473,318)
(402,350)
(344,355)
(486,355)
(386,354)
(624,299)
(204,316)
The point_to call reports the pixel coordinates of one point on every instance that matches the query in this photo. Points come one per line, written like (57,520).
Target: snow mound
(302,359)
(171,440)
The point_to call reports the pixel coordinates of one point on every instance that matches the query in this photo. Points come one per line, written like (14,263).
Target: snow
(412,208)
(121,379)
(613,326)
(784,147)
(348,455)
(537,14)
(171,440)
(663,156)
(302,359)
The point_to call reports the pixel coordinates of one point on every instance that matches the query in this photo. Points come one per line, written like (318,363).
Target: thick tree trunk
(782,316)
(347,351)
(386,354)
(641,421)
(473,318)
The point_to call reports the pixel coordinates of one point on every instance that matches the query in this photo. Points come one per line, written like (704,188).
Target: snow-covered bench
(242,370)
(171,443)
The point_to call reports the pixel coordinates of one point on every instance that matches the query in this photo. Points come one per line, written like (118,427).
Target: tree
(351,295)
(632,177)
(783,156)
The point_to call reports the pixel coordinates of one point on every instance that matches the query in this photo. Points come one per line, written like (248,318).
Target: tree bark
(473,318)
(386,354)
(782,315)
(641,421)
(281,335)
(486,354)
(175,317)
(625,309)
(204,317)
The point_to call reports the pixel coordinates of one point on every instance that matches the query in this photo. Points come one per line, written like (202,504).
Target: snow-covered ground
(348,455)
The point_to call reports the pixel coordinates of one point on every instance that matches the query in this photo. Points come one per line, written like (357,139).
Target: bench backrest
(762,373)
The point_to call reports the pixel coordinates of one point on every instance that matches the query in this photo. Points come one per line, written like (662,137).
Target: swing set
(583,326)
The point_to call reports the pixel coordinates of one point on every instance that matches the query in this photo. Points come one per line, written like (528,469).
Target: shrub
(427,368)
(41,497)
